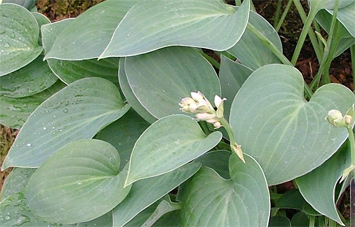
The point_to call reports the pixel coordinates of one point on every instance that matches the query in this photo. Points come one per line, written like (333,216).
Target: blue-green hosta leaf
(19,38)
(123,134)
(15,111)
(328,4)
(168,144)
(78,111)
(29,80)
(160,79)
(287,135)
(242,200)
(252,52)
(78,183)
(88,35)
(231,75)
(129,95)
(151,25)
(145,192)
(14,211)
(28,4)
(318,186)
(103,221)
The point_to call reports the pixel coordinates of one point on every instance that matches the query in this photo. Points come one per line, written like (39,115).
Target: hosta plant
(126,120)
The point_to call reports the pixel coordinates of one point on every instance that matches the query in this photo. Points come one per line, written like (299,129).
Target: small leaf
(210,24)
(168,144)
(78,111)
(88,35)
(250,50)
(78,183)
(287,135)
(147,191)
(278,221)
(29,80)
(243,200)
(19,38)
(318,186)
(159,80)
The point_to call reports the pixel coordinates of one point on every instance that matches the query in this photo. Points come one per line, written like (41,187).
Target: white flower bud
(205,116)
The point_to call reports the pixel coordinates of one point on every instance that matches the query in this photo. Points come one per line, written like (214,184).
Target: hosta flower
(335,117)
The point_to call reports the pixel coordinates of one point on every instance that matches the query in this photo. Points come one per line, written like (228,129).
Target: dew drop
(44,128)
(12,35)
(7,217)
(128,35)
(28,145)
(65,110)
(7,45)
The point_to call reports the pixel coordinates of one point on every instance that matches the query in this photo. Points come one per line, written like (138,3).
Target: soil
(340,71)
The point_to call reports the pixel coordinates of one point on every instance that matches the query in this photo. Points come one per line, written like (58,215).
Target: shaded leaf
(78,111)
(160,79)
(78,183)
(318,186)
(287,135)
(252,52)
(29,80)
(15,182)
(168,144)
(243,200)
(147,191)
(19,38)
(210,24)
(123,134)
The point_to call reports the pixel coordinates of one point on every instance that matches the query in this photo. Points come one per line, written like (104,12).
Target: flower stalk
(204,111)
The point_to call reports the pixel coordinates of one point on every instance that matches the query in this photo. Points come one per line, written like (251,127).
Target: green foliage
(102,139)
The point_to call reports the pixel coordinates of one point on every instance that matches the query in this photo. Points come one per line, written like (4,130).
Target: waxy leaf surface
(19,38)
(242,200)
(79,183)
(168,144)
(78,111)
(152,25)
(286,134)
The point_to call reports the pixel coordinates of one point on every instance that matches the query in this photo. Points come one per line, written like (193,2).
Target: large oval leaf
(318,186)
(78,183)
(208,24)
(145,192)
(346,16)
(168,144)
(19,38)
(88,35)
(287,135)
(243,200)
(78,111)
(160,79)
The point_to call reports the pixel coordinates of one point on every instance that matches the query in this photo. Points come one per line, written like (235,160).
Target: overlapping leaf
(151,25)
(168,144)
(89,34)
(78,183)
(159,80)
(243,200)
(76,112)
(19,38)
(287,135)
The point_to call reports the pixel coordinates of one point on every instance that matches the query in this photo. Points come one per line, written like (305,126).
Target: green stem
(277,13)
(211,60)
(283,16)
(352,145)
(312,221)
(307,20)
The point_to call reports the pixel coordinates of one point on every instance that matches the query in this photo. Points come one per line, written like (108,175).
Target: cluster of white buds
(203,109)
(336,118)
